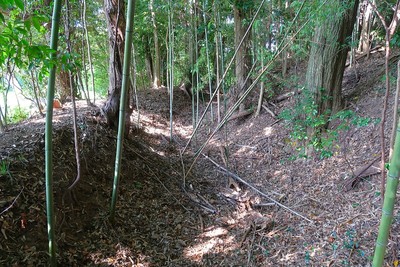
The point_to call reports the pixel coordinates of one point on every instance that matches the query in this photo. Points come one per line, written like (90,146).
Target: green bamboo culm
(123,102)
(48,134)
(388,203)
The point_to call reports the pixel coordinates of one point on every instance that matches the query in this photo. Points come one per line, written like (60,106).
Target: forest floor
(285,212)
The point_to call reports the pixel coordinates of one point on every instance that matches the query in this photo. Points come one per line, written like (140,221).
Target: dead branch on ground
(241,114)
(359,174)
(269,111)
(12,204)
(236,177)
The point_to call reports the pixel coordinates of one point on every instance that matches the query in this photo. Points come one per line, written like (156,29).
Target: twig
(246,234)
(395,109)
(285,96)
(201,223)
(74,113)
(197,198)
(240,114)
(12,204)
(251,245)
(256,189)
(269,111)
(260,205)
(389,31)
(353,182)
(275,122)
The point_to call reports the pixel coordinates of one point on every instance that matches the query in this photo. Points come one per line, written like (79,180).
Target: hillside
(305,212)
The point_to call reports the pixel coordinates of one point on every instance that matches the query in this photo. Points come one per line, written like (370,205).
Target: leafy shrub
(304,116)
(17,114)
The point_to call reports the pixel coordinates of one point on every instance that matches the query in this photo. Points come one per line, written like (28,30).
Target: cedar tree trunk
(241,10)
(115,16)
(328,56)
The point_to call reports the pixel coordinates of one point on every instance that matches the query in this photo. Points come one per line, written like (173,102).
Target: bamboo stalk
(388,203)
(123,102)
(49,134)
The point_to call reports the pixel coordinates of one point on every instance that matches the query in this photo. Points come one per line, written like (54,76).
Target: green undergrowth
(17,114)
(324,142)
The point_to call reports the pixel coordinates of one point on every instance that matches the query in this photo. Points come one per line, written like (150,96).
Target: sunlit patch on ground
(123,255)
(213,240)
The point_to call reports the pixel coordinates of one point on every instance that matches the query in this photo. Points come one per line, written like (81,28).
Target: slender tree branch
(388,35)
(233,175)
(230,111)
(223,78)
(12,204)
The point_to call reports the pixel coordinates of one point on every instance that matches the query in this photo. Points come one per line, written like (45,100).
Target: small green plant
(304,116)
(3,168)
(17,114)
(350,241)
(307,258)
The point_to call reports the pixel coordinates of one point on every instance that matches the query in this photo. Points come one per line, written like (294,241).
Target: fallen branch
(12,204)
(275,122)
(240,114)
(233,175)
(269,111)
(285,96)
(201,201)
(359,174)
(374,50)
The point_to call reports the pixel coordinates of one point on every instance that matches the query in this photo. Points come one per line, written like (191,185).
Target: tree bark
(148,59)
(89,53)
(63,87)
(157,55)
(116,23)
(328,57)
(1,121)
(366,22)
(241,10)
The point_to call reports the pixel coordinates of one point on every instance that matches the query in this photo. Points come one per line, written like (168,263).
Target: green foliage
(4,168)
(17,114)
(395,41)
(24,54)
(304,116)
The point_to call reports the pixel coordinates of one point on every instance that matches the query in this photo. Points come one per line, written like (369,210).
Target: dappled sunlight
(213,240)
(215,232)
(268,131)
(184,131)
(122,254)
(153,124)
(307,254)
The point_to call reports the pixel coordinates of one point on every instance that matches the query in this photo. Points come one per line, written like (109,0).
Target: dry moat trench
(212,221)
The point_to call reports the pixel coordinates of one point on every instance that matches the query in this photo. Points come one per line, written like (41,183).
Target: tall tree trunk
(241,12)
(36,93)
(72,85)
(116,23)
(217,57)
(328,57)
(157,55)
(1,121)
(148,59)
(85,86)
(124,95)
(366,23)
(89,53)
(63,85)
